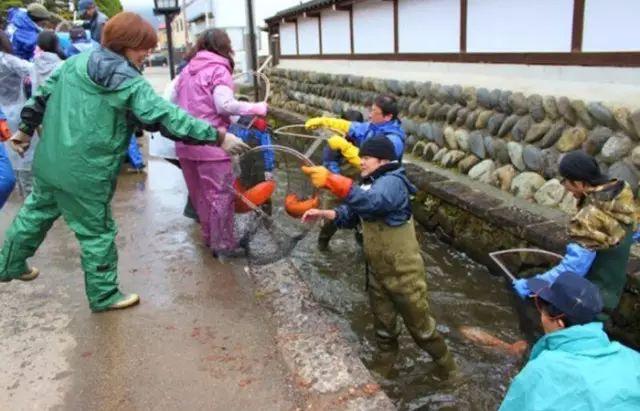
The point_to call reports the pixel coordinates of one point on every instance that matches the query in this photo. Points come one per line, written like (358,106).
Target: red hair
(128,30)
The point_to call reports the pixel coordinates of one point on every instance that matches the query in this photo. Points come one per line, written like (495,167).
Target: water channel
(462,293)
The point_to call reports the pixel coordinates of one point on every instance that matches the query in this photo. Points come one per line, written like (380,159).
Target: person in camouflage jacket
(601,231)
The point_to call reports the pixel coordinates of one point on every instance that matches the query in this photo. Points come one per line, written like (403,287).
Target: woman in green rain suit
(88,109)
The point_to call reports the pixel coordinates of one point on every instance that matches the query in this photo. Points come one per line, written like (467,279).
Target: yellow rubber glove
(348,150)
(318,175)
(334,123)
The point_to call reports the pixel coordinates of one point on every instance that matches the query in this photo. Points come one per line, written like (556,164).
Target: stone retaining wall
(478,219)
(499,137)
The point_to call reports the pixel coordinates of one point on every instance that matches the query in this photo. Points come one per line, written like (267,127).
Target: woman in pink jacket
(205,90)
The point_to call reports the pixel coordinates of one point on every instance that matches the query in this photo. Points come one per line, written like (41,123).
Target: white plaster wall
(429,26)
(336,38)
(236,35)
(288,38)
(308,35)
(519,25)
(228,13)
(612,85)
(373,27)
(611,25)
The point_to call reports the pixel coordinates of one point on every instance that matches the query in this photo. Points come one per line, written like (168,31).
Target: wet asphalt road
(198,340)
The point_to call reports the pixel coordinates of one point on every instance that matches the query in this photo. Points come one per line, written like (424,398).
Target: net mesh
(268,232)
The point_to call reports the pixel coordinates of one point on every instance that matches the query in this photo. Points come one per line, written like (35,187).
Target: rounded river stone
(532,157)
(494,123)
(536,108)
(550,107)
(521,128)
(518,103)
(567,111)
(476,144)
(596,139)
(601,114)
(507,125)
(515,155)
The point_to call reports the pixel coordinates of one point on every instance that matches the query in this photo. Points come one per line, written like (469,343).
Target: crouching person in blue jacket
(574,366)
(396,277)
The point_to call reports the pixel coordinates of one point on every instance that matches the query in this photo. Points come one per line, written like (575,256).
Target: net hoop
(284,131)
(260,76)
(495,257)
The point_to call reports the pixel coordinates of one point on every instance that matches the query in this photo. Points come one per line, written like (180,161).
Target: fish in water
(482,337)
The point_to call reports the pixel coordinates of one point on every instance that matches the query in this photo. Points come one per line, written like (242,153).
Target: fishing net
(272,192)
(524,262)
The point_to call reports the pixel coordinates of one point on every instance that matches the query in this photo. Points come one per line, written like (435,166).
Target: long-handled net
(271,193)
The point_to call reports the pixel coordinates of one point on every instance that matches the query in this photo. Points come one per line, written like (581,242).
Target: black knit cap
(379,147)
(579,166)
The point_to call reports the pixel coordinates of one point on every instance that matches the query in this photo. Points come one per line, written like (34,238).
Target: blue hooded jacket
(7,177)
(385,195)
(23,33)
(358,133)
(577,368)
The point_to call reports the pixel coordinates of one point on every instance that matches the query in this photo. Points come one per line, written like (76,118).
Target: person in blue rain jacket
(7,177)
(574,366)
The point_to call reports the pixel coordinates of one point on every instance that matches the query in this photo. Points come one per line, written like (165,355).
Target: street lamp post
(168,8)
(253,58)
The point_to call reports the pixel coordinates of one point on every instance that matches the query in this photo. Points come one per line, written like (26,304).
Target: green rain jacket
(577,368)
(88,109)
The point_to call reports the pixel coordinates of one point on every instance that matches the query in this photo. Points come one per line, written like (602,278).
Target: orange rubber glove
(5,133)
(322,178)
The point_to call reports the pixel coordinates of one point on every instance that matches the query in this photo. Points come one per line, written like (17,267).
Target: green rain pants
(397,285)
(93,226)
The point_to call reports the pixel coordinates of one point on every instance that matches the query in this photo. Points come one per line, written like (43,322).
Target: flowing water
(461,292)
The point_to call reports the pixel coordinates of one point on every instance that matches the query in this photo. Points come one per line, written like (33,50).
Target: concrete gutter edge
(325,368)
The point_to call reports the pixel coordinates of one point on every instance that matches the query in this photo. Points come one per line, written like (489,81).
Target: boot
(30,275)
(383,362)
(439,351)
(126,301)
(326,232)
(447,364)
(189,211)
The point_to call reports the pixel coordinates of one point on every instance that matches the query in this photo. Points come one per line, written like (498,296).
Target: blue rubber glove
(577,260)
(521,288)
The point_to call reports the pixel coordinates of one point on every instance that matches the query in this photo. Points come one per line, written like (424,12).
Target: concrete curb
(325,368)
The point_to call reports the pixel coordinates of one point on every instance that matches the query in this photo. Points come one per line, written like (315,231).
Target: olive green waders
(397,285)
(93,226)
